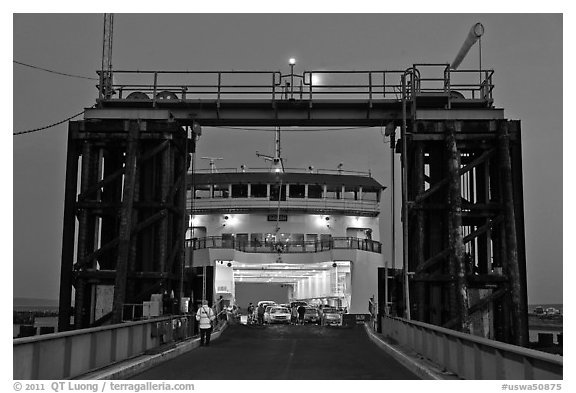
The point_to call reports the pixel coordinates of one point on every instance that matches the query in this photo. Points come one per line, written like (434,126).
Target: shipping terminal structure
(140,221)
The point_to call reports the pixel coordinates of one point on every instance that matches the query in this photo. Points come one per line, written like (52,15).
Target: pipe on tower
(474,34)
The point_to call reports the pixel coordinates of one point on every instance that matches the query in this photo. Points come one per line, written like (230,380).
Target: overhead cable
(49,126)
(54,72)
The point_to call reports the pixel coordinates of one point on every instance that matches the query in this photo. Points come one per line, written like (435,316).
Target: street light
(292,62)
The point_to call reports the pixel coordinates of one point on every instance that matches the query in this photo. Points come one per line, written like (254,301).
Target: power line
(54,72)
(49,126)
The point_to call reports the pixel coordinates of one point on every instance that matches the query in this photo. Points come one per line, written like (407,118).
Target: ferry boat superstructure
(314,232)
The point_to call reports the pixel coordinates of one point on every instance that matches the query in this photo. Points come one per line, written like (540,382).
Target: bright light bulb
(292,61)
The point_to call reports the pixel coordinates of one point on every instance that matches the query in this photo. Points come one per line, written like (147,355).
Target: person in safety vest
(205,316)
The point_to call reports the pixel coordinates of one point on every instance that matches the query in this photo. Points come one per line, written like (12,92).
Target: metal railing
(348,243)
(287,171)
(70,354)
(182,86)
(311,205)
(469,356)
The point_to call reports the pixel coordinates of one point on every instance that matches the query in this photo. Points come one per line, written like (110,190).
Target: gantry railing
(187,86)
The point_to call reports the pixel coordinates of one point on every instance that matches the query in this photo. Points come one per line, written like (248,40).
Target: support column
(125,222)
(519,318)
(85,236)
(165,181)
(68,233)
(457,266)
(418,170)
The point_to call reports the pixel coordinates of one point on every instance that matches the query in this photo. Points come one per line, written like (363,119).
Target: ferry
(313,235)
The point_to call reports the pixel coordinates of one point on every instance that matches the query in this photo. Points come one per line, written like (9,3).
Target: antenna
(212,163)
(277,162)
(106,89)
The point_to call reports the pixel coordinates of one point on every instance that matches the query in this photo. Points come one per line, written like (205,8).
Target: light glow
(315,79)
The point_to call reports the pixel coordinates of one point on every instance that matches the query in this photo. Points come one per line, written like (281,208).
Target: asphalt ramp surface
(283,352)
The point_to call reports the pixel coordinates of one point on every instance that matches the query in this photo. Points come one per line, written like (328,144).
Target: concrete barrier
(69,354)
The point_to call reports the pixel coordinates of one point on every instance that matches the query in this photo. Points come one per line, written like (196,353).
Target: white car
(331,317)
(277,315)
(267,314)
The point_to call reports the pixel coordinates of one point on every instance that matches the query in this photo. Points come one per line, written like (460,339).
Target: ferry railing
(287,171)
(352,206)
(469,356)
(310,246)
(66,355)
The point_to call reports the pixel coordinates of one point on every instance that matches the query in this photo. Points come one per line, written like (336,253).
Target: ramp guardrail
(472,357)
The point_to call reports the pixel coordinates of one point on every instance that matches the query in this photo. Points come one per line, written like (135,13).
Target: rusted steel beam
(456,244)
(131,285)
(172,255)
(519,317)
(68,233)
(435,187)
(165,181)
(483,229)
(486,301)
(82,263)
(419,240)
(430,262)
(177,186)
(125,222)
(108,179)
(116,241)
(86,230)
(118,174)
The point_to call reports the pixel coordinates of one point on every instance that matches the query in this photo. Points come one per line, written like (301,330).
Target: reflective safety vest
(205,316)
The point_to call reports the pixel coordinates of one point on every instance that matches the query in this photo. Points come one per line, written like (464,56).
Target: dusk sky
(524,50)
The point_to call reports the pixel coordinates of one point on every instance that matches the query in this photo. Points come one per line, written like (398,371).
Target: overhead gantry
(462,183)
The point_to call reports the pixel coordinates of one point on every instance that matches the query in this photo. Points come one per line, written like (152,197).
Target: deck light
(292,61)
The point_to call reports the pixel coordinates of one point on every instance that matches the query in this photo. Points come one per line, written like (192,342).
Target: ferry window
(259,190)
(270,238)
(351,193)
(312,237)
(315,191)
(325,239)
(333,192)
(202,192)
(242,239)
(220,191)
(256,239)
(277,192)
(227,240)
(239,190)
(370,195)
(297,191)
(297,239)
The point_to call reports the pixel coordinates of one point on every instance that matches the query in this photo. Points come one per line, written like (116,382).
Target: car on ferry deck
(267,313)
(265,303)
(312,315)
(331,317)
(278,315)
